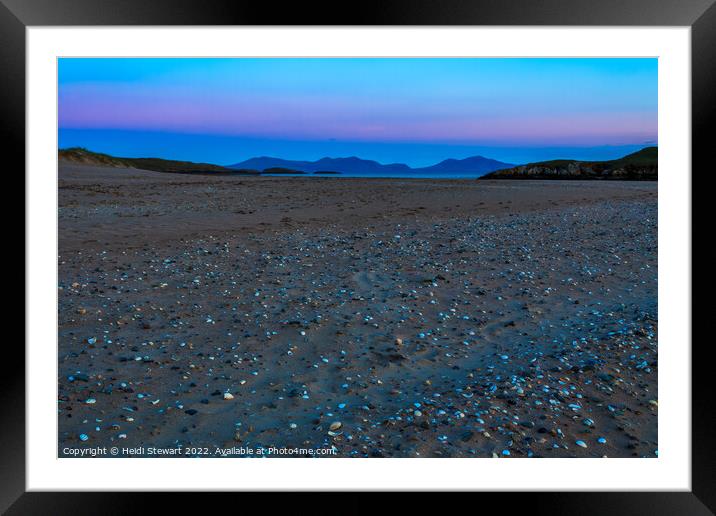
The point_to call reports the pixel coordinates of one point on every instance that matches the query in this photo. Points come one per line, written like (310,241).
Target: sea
(393,175)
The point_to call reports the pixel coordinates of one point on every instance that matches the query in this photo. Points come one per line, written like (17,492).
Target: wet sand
(430,318)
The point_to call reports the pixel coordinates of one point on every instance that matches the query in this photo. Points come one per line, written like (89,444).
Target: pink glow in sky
(499,101)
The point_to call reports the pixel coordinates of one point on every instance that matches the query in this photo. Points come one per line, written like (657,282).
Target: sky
(395,110)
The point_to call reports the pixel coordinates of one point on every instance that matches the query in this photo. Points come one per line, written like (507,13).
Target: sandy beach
(372,317)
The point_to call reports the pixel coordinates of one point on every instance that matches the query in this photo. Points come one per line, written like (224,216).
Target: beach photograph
(357,257)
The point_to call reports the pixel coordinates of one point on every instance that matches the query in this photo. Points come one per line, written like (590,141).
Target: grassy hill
(82,155)
(648,156)
(85,156)
(640,165)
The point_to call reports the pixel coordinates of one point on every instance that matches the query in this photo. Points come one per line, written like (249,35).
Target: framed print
(415,248)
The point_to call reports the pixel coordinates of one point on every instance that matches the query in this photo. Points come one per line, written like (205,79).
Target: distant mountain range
(475,165)
(640,165)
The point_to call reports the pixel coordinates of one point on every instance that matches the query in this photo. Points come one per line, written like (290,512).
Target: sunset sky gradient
(394,110)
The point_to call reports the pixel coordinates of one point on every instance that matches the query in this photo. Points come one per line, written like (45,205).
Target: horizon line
(60,149)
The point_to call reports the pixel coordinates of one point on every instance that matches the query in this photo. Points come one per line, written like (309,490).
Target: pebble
(581,443)
(228,396)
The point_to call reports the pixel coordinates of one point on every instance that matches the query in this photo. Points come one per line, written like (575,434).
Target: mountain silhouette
(355,165)
(477,164)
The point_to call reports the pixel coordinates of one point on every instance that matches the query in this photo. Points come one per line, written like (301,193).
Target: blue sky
(415,111)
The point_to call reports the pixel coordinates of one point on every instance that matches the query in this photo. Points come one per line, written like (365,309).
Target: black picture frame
(17,15)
